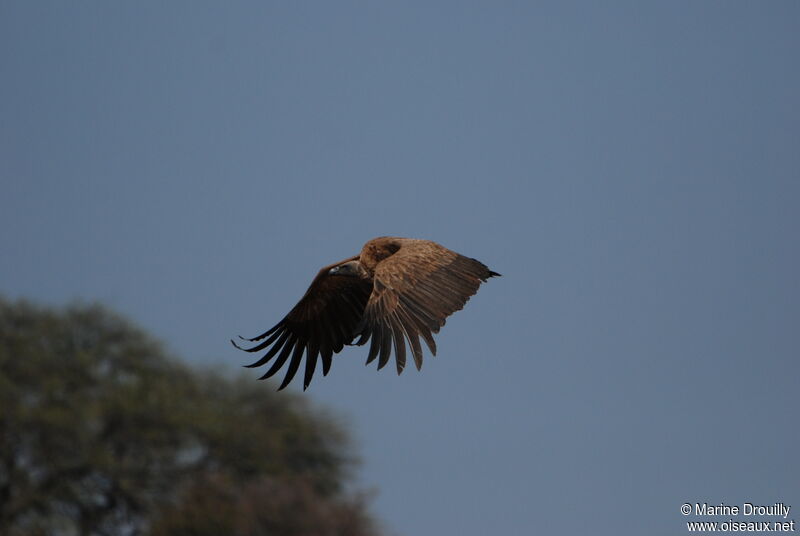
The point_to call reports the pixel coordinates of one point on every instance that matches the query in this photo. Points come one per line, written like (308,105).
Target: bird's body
(395,290)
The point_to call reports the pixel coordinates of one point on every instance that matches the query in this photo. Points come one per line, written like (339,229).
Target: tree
(102,433)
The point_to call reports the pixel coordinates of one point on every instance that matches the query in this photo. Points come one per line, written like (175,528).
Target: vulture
(395,291)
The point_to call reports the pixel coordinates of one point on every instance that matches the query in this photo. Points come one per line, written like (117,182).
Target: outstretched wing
(321,323)
(415,290)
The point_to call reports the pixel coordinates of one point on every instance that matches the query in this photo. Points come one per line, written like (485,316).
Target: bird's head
(350,268)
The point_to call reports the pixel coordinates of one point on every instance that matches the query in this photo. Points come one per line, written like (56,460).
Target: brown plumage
(395,290)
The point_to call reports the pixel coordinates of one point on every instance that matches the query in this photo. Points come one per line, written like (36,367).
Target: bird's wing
(321,323)
(414,291)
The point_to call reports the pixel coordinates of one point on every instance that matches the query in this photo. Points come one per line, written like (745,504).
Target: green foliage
(102,433)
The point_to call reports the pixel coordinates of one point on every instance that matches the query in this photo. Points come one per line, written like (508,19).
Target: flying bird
(395,290)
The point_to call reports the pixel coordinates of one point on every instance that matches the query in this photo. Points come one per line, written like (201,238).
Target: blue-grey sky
(631,168)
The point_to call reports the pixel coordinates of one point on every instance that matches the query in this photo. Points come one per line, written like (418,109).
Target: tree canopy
(103,433)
